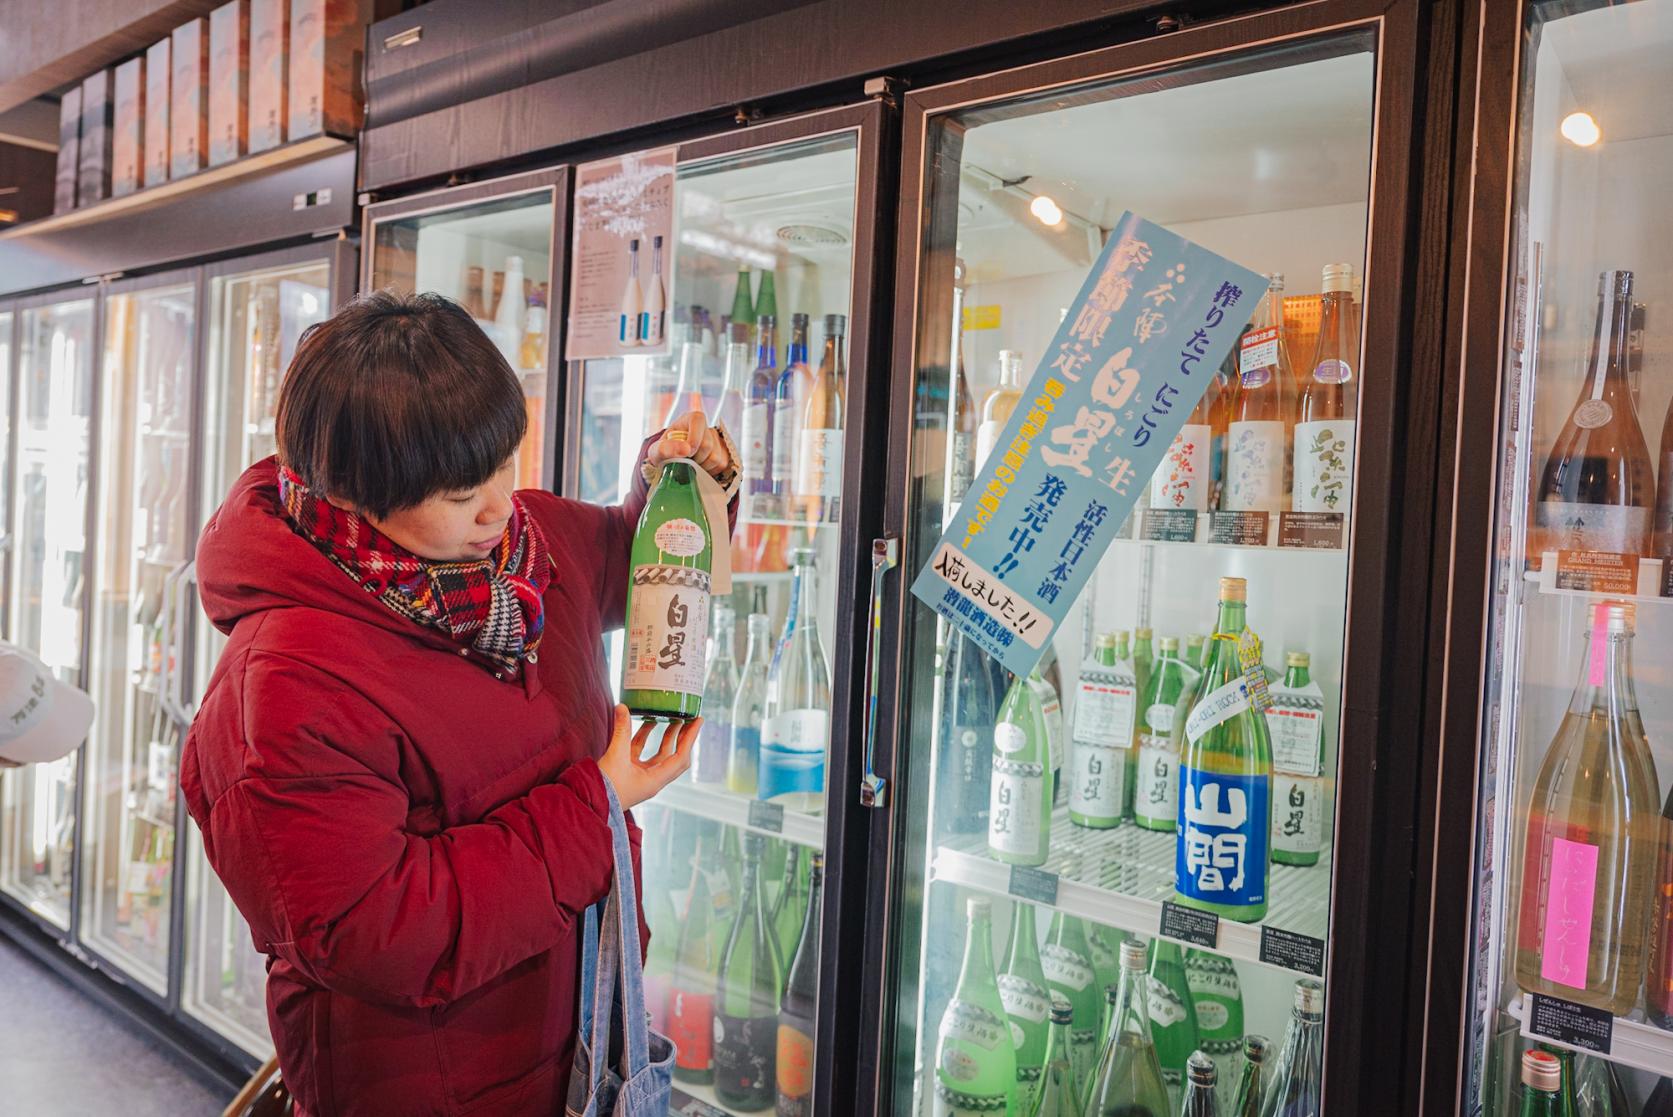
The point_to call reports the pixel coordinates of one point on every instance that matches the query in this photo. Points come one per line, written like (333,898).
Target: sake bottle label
(664,641)
(1255,466)
(1297,813)
(1221,854)
(1015,806)
(1324,454)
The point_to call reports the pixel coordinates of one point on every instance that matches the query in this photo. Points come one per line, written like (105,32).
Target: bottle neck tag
(1254,672)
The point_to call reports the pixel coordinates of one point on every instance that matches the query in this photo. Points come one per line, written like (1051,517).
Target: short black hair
(397,397)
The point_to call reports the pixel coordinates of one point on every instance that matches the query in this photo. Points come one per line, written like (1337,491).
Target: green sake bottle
(1156,793)
(1019,796)
(1173,1026)
(1217,1005)
(668,600)
(1542,1082)
(975,1063)
(1251,1083)
(1027,1001)
(1067,963)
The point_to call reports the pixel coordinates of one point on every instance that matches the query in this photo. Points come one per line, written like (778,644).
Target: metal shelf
(1633,1043)
(767,819)
(1126,873)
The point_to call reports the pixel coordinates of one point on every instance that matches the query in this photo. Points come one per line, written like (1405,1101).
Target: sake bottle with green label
(1067,964)
(1101,760)
(1217,1004)
(1019,795)
(1225,775)
(1027,1001)
(668,600)
(1173,1026)
(1156,791)
(975,1062)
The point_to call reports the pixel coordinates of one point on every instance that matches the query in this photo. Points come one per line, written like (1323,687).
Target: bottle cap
(798,320)
(1234,589)
(760,621)
(1132,957)
(1309,997)
(801,556)
(978,907)
(1618,281)
(1275,280)
(1061,1011)
(1142,634)
(1338,278)
(738,332)
(765,321)
(1254,1048)
(1104,640)
(1542,1070)
(1200,1070)
(1297,659)
(1616,616)
(836,325)
(1168,644)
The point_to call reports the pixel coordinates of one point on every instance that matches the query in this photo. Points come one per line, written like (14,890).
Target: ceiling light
(1579,128)
(1046,210)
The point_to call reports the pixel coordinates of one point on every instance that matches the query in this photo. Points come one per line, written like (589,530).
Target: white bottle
(511,316)
(997,407)
(651,323)
(633,302)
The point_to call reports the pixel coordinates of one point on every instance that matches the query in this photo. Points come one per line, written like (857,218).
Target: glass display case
(47,588)
(144,531)
(1571,944)
(473,244)
(1246,530)
(764,280)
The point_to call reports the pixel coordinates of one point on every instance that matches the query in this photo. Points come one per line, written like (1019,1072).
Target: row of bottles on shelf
(142,890)
(1097,1023)
(1269,435)
(1556,1082)
(1199,743)
(733,969)
(1595,918)
(1598,490)
(515,322)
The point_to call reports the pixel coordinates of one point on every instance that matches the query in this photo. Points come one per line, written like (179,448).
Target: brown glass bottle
(1263,419)
(1597,490)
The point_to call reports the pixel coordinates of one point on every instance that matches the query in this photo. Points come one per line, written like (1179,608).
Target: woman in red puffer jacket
(399,765)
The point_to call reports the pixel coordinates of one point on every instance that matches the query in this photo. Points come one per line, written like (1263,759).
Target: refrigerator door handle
(885,554)
(174,626)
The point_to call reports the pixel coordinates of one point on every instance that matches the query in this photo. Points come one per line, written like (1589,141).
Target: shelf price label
(766,816)
(1292,950)
(1034,885)
(1591,1029)
(1133,355)
(1200,928)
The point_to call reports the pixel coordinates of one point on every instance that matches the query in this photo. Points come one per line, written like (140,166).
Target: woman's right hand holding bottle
(636,780)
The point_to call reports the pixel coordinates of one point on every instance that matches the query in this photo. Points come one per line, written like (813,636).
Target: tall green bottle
(1156,794)
(1067,963)
(766,297)
(1019,796)
(1173,1026)
(791,904)
(1104,945)
(747,1004)
(797,1015)
(1217,1004)
(743,306)
(1251,1082)
(668,600)
(1027,1001)
(1128,1081)
(1542,1080)
(1144,659)
(1060,1091)
(1101,761)
(1225,777)
(975,1063)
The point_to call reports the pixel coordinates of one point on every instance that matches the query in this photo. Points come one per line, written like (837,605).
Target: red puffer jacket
(411,838)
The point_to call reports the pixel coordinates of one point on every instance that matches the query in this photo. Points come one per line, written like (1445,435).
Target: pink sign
(1568,913)
(1600,643)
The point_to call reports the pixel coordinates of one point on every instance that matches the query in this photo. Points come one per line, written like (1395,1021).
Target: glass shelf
(767,819)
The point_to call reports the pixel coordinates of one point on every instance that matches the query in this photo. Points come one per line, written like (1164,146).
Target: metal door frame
(1376,788)
(556,181)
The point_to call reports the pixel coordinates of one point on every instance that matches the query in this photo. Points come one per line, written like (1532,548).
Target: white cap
(41,718)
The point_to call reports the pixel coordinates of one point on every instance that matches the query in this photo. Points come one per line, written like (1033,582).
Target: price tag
(1667,577)
(688,1106)
(1566,1022)
(1201,928)
(1312,531)
(766,816)
(1168,525)
(1597,571)
(1293,951)
(1034,885)
(1245,529)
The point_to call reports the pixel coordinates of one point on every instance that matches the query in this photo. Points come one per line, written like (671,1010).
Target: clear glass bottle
(975,1063)
(1201,1079)
(1128,1080)
(1258,437)
(720,691)
(1297,1080)
(796,736)
(998,404)
(688,387)
(1060,1090)
(692,991)
(743,762)
(790,396)
(733,382)
(1251,1079)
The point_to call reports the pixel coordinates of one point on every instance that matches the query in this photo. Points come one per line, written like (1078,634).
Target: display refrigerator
(496,247)
(753,862)
(1563,631)
(1041,841)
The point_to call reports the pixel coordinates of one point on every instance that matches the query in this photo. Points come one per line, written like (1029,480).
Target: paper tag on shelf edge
(1292,950)
(1201,928)
(1037,885)
(1577,1025)
(766,816)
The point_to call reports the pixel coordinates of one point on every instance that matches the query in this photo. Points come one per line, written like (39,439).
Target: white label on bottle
(798,731)
(1181,482)
(1592,414)
(1104,713)
(1098,783)
(681,538)
(820,468)
(1324,458)
(754,447)
(1064,967)
(1156,794)
(1257,351)
(1593,527)
(1166,1009)
(1160,717)
(987,436)
(1009,738)
(664,644)
(1297,814)
(1220,704)
(1255,466)
(1296,722)
(971,1023)
(1051,712)
(1022,998)
(784,441)
(1211,1015)
(138,878)
(1016,808)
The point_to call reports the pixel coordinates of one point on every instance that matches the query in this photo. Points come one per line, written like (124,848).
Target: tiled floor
(61,1055)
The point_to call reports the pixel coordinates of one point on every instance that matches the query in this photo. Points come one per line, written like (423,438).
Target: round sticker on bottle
(1008,738)
(1593,414)
(680,537)
(959,1065)
(1257,376)
(1332,372)
(969,738)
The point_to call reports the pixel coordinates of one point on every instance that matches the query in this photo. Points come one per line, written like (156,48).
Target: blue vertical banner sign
(1138,348)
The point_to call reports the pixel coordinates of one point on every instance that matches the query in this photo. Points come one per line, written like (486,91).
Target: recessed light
(1048,211)
(1579,128)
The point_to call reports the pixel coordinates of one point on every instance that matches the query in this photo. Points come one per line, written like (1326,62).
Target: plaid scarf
(492,605)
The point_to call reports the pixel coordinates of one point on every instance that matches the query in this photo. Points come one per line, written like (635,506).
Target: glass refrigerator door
(469,244)
(145,542)
(55,404)
(1046,816)
(1574,888)
(761,286)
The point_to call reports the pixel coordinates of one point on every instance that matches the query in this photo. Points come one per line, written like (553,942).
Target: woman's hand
(636,780)
(690,436)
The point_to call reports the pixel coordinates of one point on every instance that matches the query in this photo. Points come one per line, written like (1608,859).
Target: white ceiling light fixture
(1048,211)
(1580,129)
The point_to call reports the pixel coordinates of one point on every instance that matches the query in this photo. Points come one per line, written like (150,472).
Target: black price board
(1667,577)
(1247,529)
(685,1105)
(1313,531)
(766,816)
(1566,1022)
(1168,525)
(1190,925)
(1292,950)
(1031,884)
